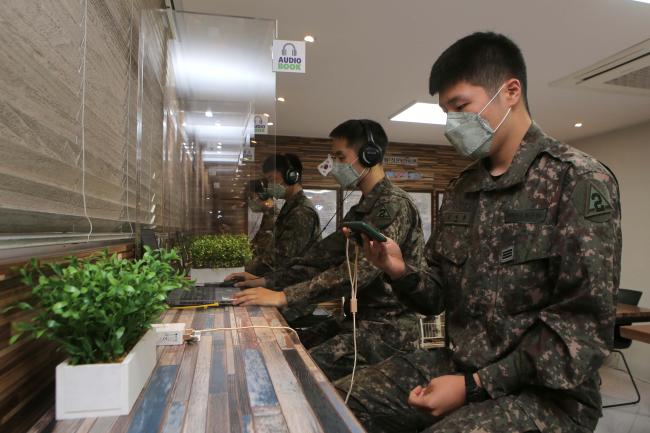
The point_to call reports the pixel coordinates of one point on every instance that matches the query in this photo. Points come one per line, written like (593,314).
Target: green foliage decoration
(96,309)
(220,251)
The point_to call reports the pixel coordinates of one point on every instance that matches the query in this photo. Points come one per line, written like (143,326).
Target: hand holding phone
(358,227)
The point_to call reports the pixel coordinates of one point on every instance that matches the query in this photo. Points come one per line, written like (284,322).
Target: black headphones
(294,52)
(370,153)
(291,176)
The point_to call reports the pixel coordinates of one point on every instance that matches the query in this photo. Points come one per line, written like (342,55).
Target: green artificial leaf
(79,304)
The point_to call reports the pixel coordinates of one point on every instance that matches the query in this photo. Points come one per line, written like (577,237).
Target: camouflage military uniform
(527,267)
(297,228)
(385,325)
(262,245)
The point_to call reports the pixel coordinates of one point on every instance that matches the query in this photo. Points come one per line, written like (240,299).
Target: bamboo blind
(59,90)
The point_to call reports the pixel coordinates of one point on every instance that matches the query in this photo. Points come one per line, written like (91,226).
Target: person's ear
(512,92)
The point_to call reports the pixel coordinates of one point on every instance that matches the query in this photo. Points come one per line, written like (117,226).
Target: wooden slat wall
(27,368)
(438,165)
(40,127)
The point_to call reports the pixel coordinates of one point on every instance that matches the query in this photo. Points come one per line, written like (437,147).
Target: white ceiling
(371,58)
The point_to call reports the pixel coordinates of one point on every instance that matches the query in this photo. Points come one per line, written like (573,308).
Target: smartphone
(358,227)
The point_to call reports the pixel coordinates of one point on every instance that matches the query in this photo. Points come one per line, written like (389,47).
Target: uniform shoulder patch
(384,212)
(592,200)
(598,201)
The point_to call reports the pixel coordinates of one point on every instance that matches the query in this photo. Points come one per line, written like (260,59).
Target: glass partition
(324,201)
(219,80)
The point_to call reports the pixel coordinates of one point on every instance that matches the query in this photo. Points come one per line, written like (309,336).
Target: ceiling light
(643,1)
(184,124)
(266,115)
(253,141)
(422,112)
(281,99)
(270,123)
(208,113)
(579,125)
(309,38)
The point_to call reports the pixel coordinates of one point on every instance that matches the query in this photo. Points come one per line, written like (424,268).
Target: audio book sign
(289,56)
(261,124)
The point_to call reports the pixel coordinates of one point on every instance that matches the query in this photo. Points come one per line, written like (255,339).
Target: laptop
(208,293)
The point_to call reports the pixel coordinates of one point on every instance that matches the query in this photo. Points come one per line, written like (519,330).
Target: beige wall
(627,153)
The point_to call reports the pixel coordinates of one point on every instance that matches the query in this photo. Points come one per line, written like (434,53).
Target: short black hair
(281,163)
(483,59)
(355,131)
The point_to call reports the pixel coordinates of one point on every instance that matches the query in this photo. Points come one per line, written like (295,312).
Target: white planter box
(95,390)
(214,275)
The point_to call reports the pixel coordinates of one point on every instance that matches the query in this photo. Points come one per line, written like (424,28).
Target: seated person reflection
(297,226)
(261,202)
(385,325)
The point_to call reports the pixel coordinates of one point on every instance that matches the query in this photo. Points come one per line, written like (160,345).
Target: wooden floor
(254,380)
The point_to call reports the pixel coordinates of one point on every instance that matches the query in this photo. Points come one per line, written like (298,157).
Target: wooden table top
(253,380)
(636,332)
(632,313)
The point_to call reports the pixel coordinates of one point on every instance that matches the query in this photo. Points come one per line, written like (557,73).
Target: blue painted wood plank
(149,414)
(260,387)
(234,414)
(327,414)
(218,371)
(175,418)
(218,415)
(240,374)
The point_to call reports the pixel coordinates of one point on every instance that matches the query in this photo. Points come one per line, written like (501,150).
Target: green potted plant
(99,311)
(215,256)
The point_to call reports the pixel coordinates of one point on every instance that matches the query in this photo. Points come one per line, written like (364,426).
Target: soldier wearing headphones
(261,202)
(385,326)
(297,226)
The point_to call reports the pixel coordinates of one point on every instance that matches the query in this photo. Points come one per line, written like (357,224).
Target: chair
(630,297)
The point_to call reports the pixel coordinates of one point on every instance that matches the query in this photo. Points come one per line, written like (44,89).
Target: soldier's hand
(243,276)
(387,256)
(258,282)
(441,396)
(260,296)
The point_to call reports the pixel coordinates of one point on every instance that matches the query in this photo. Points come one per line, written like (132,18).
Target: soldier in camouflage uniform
(525,261)
(385,326)
(297,225)
(259,201)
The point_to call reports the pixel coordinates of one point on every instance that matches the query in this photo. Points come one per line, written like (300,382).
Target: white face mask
(470,133)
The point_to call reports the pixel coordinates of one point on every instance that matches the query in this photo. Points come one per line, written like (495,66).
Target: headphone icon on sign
(259,122)
(294,51)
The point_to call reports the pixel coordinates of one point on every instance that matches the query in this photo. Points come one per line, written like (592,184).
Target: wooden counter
(254,380)
(631,313)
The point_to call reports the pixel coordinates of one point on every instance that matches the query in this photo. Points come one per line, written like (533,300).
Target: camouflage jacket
(262,245)
(322,274)
(297,227)
(527,267)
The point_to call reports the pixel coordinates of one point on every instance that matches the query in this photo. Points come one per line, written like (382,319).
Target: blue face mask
(471,134)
